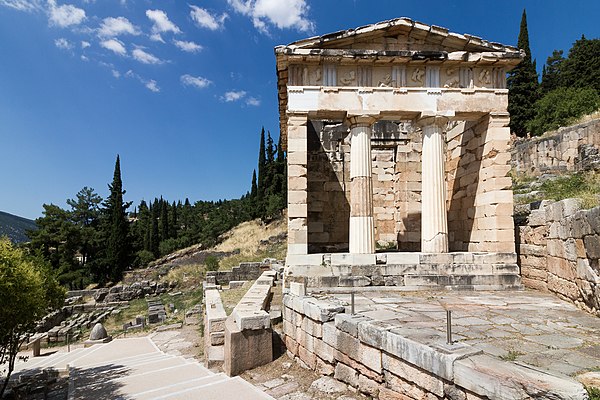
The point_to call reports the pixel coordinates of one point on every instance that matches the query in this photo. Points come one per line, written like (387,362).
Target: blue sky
(180,89)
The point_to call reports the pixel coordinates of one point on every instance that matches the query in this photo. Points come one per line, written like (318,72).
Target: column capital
(441,118)
(361,119)
(501,119)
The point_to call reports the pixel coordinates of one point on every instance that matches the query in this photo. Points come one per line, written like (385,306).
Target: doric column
(297,184)
(362,227)
(434,218)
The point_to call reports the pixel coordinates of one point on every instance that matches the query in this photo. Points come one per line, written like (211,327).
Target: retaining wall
(559,251)
(559,151)
(387,363)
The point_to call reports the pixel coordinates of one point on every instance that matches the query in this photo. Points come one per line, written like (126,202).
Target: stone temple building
(398,158)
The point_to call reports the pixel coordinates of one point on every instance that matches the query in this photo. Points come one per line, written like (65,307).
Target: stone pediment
(400,34)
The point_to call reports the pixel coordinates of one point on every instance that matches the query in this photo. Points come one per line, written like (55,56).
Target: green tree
(115,231)
(551,76)
(561,106)
(523,85)
(581,69)
(28,291)
(58,239)
(85,213)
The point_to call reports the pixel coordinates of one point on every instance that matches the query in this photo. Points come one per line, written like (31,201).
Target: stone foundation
(393,361)
(410,271)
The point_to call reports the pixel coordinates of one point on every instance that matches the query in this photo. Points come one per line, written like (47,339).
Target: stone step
(57,360)
(181,387)
(151,376)
(479,282)
(232,388)
(215,356)
(119,349)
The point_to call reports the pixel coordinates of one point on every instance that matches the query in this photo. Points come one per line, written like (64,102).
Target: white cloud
(115,46)
(190,47)
(253,101)
(63,43)
(22,5)
(281,13)
(84,44)
(145,57)
(84,58)
(233,96)
(162,24)
(151,85)
(205,19)
(65,15)
(116,73)
(112,27)
(195,81)
(156,37)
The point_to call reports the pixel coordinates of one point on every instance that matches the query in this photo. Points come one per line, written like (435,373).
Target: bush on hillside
(562,106)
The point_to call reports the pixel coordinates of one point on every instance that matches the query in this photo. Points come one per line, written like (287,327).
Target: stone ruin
(397,141)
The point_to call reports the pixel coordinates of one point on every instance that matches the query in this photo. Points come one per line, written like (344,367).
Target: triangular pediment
(401,34)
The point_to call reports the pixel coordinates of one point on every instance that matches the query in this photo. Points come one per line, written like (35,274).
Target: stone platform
(406,270)
(506,345)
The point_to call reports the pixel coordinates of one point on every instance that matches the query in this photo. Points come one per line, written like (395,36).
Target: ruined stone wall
(559,251)
(557,151)
(480,199)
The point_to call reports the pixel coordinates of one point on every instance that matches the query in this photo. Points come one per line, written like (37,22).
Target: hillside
(15,227)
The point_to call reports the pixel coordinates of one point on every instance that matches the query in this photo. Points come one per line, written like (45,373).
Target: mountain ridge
(15,227)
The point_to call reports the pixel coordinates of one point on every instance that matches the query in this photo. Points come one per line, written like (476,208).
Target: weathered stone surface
(490,377)
(98,332)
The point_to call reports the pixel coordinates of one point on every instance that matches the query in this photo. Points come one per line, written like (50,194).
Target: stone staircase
(135,368)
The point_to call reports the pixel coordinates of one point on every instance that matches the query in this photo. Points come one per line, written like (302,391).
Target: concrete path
(135,368)
(529,327)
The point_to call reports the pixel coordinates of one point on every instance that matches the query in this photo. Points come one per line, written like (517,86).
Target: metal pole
(352,303)
(449,326)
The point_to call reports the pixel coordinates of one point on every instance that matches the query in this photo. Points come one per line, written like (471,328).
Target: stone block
(346,374)
(246,349)
(251,319)
(412,374)
(297,210)
(349,323)
(297,289)
(313,328)
(492,378)
(321,311)
(437,360)
(324,351)
(370,334)
(309,358)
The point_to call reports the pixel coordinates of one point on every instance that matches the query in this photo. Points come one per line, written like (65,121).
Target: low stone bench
(248,334)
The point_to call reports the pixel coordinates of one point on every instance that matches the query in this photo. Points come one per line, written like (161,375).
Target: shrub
(212,263)
(561,106)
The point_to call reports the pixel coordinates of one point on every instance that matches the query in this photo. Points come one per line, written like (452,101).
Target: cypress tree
(523,85)
(118,254)
(173,224)
(164,220)
(154,235)
(262,164)
(254,188)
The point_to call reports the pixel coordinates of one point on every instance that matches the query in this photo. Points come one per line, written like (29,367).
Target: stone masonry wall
(558,151)
(559,251)
(480,199)
(387,361)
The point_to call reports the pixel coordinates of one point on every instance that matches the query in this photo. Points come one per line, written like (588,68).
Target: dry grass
(246,238)
(186,276)
(231,297)
(587,118)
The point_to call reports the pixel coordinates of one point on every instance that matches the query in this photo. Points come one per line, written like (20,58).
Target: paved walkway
(135,368)
(523,326)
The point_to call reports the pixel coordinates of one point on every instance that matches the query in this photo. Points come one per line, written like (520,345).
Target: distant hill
(15,227)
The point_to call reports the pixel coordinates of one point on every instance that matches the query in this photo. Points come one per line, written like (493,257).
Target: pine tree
(581,69)
(523,85)
(118,251)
